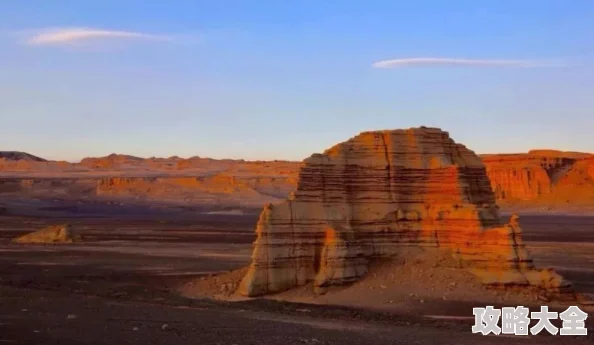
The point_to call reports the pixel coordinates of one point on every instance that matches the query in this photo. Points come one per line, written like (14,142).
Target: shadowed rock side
(374,195)
(51,234)
(20,156)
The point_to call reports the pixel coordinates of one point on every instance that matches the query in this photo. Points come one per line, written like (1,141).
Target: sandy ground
(121,286)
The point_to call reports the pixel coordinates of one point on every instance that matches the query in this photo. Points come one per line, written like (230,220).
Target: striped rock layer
(374,195)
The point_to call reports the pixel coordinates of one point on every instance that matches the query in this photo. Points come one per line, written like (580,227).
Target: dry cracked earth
(120,287)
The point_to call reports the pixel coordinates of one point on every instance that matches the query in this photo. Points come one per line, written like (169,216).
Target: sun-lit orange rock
(537,181)
(377,194)
(589,163)
(111,161)
(542,178)
(51,234)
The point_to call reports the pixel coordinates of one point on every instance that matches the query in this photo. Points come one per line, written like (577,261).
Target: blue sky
(267,79)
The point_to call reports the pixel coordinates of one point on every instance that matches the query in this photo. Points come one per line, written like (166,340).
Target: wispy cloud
(432,61)
(64,36)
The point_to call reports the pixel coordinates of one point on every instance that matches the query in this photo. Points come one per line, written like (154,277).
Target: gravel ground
(113,289)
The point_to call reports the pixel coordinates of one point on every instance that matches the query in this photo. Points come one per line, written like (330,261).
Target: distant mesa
(557,153)
(551,153)
(52,234)
(113,160)
(379,194)
(20,156)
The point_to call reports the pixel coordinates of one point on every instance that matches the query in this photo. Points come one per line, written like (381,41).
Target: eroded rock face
(374,195)
(111,161)
(218,189)
(52,234)
(541,178)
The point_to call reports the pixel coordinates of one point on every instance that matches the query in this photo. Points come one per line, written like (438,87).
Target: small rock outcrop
(378,194)
(51,234)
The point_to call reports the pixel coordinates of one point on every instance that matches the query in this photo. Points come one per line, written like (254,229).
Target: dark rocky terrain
(119,285)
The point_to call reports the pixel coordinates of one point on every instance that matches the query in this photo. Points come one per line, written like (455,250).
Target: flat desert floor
(120,287)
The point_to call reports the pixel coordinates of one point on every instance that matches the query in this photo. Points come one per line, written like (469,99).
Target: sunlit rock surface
(52,234)
(374,195)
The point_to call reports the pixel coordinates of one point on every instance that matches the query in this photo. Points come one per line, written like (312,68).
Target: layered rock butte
(379,193)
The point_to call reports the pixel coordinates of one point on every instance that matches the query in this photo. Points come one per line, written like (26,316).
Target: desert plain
(165,243)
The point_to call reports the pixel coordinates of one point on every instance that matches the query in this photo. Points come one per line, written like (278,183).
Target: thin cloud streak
(423,61)
(63,36)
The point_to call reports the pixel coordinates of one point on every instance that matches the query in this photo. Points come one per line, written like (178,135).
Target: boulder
(51,234)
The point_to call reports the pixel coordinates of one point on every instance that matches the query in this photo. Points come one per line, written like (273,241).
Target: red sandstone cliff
(543,179)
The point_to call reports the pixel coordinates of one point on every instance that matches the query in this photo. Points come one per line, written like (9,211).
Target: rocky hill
(19,156)
(174,181)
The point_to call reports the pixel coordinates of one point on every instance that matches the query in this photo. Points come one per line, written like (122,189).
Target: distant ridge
(124,158)
(20,156)
(115,157)
(539,153)
(557,153)
(541,180)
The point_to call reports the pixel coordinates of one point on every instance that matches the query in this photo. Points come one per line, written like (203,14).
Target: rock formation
(537,181)
(51,234)
(218,189)
(20,156)
(111,161)
(378,193)
(203,183)
(542,178)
